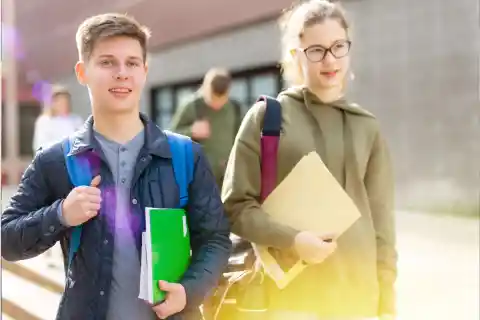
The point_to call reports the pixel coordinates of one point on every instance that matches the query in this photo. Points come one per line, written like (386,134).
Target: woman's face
(61,105)
(323,55)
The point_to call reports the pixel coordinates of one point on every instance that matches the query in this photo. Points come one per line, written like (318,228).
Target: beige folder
(308,199)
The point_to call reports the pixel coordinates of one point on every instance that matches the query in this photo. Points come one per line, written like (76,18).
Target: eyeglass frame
(327,50)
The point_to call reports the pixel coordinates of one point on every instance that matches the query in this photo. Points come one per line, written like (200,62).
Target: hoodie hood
(302,95)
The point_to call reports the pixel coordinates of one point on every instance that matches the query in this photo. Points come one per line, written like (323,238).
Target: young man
(134,171)
(212,119)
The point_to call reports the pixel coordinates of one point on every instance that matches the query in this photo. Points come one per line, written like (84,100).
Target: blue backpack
(80,174)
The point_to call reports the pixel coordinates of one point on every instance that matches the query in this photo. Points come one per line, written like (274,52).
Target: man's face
(115,74)
(218,101)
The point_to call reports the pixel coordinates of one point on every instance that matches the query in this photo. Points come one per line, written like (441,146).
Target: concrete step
(31,289)
(36,273)
(25,300)
(16,312)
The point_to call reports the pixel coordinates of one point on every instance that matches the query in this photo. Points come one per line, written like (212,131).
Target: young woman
(57,121)
(353,276)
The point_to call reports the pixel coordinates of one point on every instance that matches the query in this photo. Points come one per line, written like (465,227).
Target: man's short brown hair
(219,81)
(106,26)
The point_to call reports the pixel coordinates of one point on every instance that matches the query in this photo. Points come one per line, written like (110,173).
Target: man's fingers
(166,286)
(94,191)
(92,206)
(94,198)
(87,190)
(162,310)
(92,213)
(96,181)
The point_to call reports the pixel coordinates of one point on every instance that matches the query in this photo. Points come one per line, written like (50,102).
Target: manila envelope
(308,199)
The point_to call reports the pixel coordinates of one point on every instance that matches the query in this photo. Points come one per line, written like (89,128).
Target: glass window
(27,117)
(164,107)
(239,90)
(184,94)
(246,87)
(263,84)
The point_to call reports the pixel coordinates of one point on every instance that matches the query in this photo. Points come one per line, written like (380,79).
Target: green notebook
(166,251)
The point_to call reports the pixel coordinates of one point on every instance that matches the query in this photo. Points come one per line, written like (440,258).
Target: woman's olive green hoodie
(358,279)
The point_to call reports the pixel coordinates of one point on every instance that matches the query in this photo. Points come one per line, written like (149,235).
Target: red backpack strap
(272,125)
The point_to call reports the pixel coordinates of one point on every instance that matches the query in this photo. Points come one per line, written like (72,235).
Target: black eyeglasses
(317,53)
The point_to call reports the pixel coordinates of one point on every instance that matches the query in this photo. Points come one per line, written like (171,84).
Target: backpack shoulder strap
(80,174)
(271,129)
(182,162)
(78,167)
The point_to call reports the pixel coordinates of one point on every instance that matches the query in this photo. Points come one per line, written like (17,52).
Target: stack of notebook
(166,251)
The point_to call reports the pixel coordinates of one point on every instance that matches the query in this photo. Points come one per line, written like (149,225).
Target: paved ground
(439,271)
(439,268)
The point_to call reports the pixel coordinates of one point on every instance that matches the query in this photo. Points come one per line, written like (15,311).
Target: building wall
(416,67)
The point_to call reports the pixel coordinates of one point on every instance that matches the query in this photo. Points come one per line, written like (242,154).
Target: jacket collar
(156,142)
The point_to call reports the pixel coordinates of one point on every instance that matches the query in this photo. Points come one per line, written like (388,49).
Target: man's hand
(201,129)
(82,203)
(175,300)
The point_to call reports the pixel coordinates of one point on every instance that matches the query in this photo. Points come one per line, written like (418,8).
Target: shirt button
(123,180)
(51,228)
(102,293)
(123,149)
(123,163)
(134,201)
(105,241)
(143,159)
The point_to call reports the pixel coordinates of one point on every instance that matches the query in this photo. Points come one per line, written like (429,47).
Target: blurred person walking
(57,120)
(211,118)
(55,123)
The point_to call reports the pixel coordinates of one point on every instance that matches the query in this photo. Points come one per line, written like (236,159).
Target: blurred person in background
(57,121)
(352,276)
(211,118)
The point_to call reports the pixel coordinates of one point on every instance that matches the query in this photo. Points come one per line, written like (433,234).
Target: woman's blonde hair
(294,20)
(56,91)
